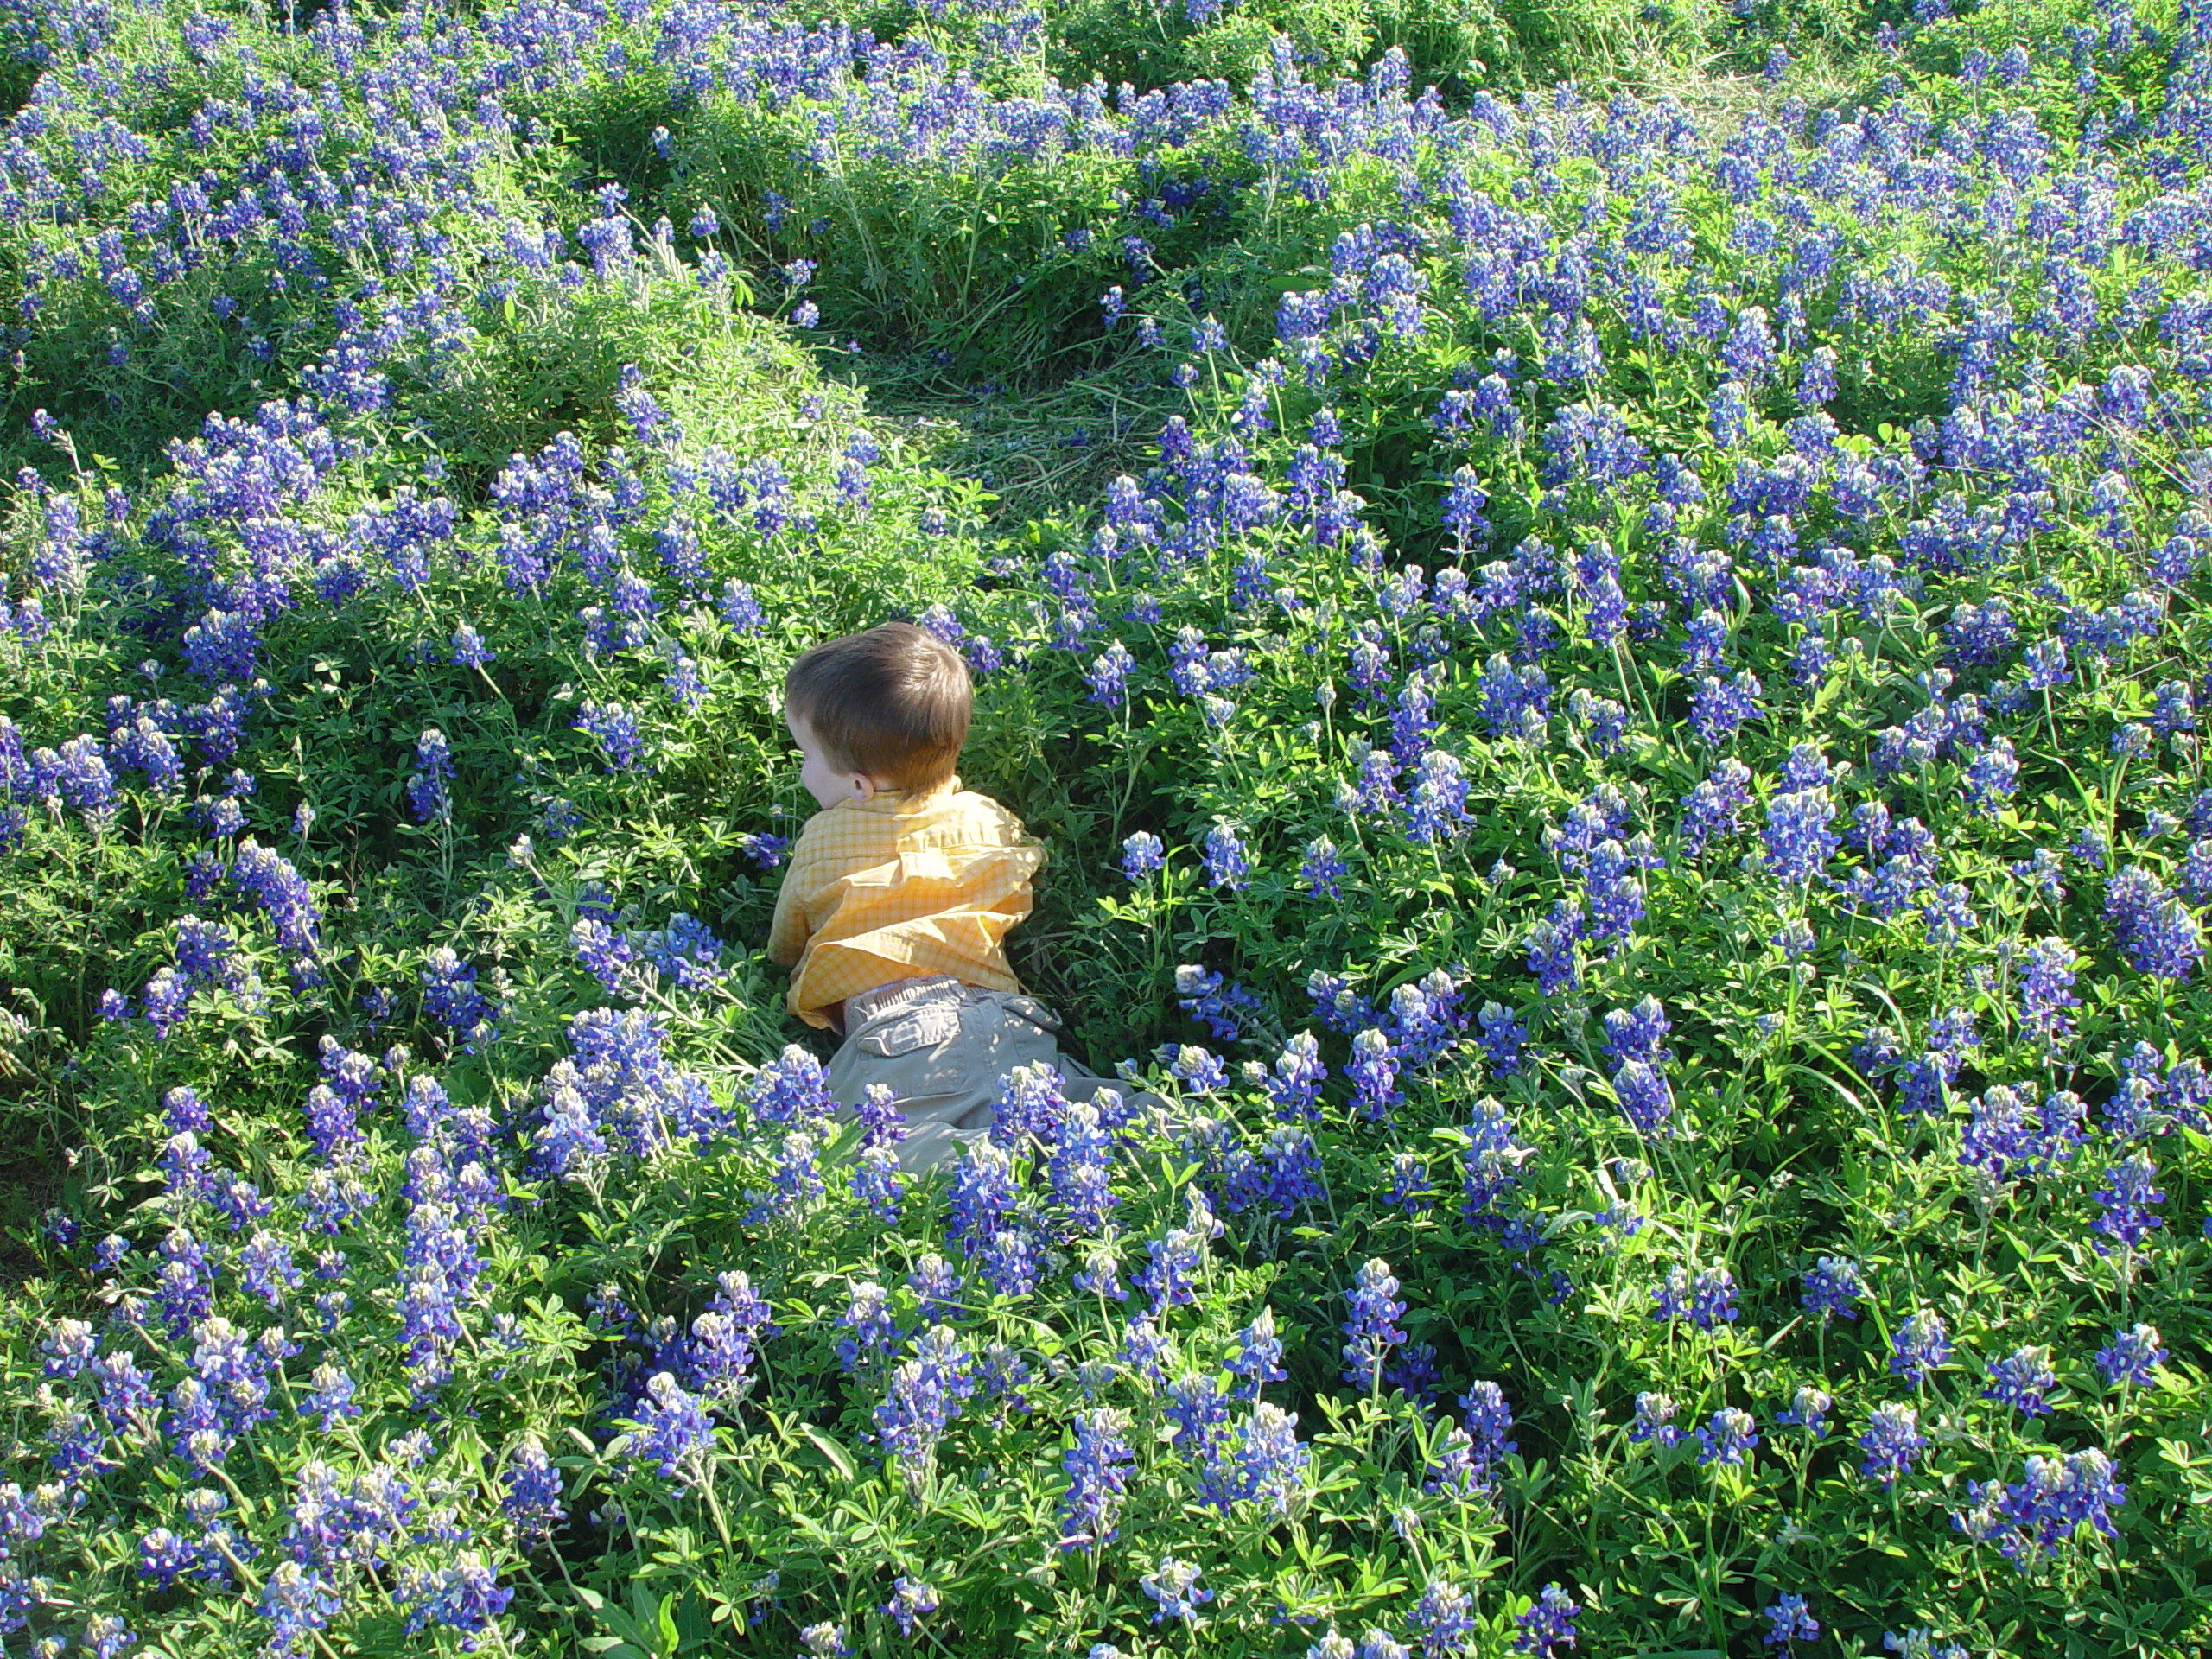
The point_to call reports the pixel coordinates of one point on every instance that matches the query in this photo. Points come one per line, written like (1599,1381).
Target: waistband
(866,1005)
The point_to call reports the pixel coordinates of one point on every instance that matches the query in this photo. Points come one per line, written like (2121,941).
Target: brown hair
(893,703)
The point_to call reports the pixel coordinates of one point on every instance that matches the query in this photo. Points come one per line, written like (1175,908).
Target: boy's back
(903,885)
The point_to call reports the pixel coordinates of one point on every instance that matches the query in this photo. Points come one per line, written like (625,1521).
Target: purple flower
(1374,1074)
(2031,1520)
(1798,840)
(2129,1356)
(1370,1329)
(2046,990)
(1653,1421)
(1142,855)
(1547,1625)
(1444,1619)
(910,1601)
(296,1601)
(1920,1345)
(2124,1201)
(2020,1381)
(1809,1410)
(533,1490)
(616,730)
(1727,1437)
(1788,1620)
(1173,1586)
(2154,928)
(1097,1466)
(1891,1440)
(1227,863)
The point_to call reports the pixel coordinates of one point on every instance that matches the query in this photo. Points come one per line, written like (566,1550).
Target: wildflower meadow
(1603,608)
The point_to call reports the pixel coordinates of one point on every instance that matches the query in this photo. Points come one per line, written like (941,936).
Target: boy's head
(886,710)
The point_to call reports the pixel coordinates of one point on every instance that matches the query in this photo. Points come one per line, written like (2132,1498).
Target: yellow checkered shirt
(899,886)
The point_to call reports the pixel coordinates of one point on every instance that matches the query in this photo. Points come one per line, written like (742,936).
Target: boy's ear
(863,787)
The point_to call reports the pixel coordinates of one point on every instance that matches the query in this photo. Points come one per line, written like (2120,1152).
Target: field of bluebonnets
(1604,611)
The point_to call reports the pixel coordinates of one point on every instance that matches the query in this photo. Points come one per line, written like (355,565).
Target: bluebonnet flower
(790,1089)
(1321,868)
(1444,1619)
(2129,1356)
(1010,1262)
(2154,929)
(1711,809)
(673,1436)
(1437,804)
(615,728)
(2046,990)
(1264,1463)
(1552,941)
(1173,1586)
(1919,1345)
(1374,1074)
(1501,1036)
(2124,1202)
(911,1600)
(463,1594)
(450,997)
(296,1601)
(1173,1262)
(1370,1327)
(1289,1169)
(1789,1621)
(1798,840)
(1999,1134)
(1654,1420)
(1809,1410)
(2032,1520)
(1108,675)
(428,787)
(1227,863)
(1464,1461)
(1142,855)
(1490,1167)
(1464,501)
(1892,1441)
(1097,1466)
(1198,1070)
(925,1394)
(1030,1106)
(1547,1625)
(1726,1437)
(2020,1381)
(868,1317)
(602,952)
(1719,707)
(1992,777)
(1644,1098)
(1257,1361)
(740,611)
(1713,1299)
(1408,1183)
(532,1499)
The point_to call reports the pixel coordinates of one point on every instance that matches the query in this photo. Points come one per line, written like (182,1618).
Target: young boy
(894,910)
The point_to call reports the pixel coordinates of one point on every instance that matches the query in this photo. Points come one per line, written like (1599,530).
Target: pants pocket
(908,1030)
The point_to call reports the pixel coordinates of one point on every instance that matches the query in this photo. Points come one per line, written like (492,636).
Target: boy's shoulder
(956,812)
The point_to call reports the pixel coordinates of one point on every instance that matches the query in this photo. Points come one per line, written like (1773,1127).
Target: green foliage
(639,436)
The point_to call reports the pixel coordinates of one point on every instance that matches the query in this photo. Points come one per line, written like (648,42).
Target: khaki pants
(943,1049)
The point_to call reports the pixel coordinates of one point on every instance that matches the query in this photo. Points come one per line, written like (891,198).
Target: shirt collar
(898,801)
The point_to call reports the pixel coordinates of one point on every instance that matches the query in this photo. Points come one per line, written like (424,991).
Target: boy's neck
(907,797)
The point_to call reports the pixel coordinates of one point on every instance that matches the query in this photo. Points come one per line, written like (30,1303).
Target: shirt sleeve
(788,932)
